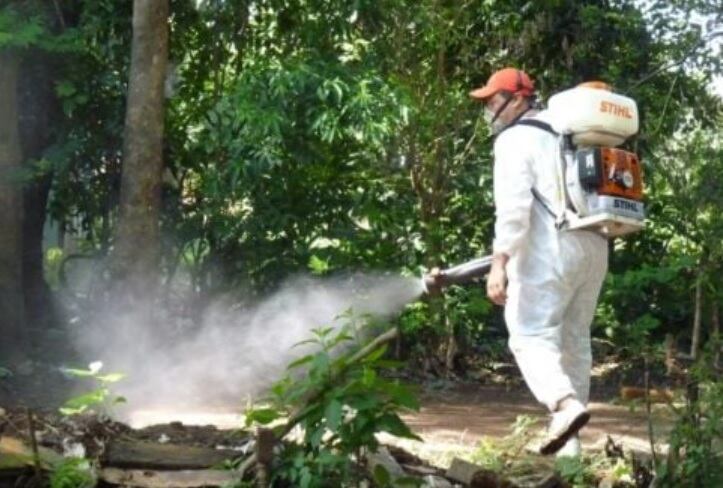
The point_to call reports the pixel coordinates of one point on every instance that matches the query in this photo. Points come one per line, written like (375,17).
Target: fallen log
(148,455)
(145,478)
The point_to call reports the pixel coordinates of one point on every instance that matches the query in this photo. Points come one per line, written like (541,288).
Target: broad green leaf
(88,399)
(333,414)
(111,377)
(381,476)
(301,361)
(262,416)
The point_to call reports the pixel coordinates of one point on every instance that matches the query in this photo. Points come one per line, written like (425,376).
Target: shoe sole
(554,445)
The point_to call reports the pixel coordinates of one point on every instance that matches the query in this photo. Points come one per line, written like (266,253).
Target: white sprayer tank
(594,116)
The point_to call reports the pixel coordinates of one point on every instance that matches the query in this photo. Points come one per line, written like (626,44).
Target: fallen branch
(131,454)
(33,443)
(648,411)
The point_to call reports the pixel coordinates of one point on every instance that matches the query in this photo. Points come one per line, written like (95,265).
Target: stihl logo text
(625,205)
(615,109)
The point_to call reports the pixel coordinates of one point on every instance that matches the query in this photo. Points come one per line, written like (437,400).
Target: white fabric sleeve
(513,182)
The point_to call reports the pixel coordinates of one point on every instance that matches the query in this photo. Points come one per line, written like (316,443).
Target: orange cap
(510,80)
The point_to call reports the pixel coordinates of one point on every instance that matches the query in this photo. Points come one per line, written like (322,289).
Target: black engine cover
(589,167)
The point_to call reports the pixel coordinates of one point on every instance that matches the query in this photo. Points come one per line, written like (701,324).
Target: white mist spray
(237,352)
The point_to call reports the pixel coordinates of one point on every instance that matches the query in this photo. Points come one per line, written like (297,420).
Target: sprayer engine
(603,183)
(605,186)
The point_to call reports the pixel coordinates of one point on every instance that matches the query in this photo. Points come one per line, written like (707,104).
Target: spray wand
(438,279)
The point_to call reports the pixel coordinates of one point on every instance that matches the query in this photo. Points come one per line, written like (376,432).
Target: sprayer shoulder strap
(559,219)
(536,195)
(539,124)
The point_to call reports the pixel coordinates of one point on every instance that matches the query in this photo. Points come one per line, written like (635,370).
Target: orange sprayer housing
(621,174)
(610,171)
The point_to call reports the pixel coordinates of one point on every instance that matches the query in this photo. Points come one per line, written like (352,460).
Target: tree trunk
(697,317)
(715,332)
(12,308)
(136,254)
(38,113)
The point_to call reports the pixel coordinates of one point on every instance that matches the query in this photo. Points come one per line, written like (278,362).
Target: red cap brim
(483,93)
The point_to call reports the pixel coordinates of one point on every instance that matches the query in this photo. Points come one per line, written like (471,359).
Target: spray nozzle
(438,279)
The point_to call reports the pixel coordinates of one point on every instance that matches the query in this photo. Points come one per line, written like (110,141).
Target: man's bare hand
(497,280)
(433,281)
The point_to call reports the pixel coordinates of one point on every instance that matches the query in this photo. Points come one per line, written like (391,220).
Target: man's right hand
(497,280)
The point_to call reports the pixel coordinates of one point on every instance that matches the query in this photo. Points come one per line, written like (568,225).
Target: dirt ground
(464,414)
(454,419)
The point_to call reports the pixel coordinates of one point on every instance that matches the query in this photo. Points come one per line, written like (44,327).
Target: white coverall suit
(554,276)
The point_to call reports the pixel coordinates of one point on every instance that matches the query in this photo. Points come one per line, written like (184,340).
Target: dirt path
(452,421)
(459,417)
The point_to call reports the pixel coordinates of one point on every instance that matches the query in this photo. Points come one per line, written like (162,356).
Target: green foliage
(290,162)
(508,455)
(53,263)
(99,400)
(584,471)
(499,454)
(14,32)
(73,472)
(575,471)
(383,479)
(21,31)
(339,404)
(640,301)
(694,457)
(325,135)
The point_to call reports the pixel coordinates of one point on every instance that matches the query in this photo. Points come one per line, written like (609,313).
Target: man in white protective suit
(548,279)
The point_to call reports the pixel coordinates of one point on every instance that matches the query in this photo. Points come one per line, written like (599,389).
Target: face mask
(495,124)
(493,118)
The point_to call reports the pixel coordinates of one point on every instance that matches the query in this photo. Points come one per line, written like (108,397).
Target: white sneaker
(571,449)
(565,424)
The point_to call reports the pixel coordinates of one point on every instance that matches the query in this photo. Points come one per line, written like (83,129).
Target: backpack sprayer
(601,185)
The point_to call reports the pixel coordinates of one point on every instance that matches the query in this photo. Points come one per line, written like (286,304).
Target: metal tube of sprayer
(463,273)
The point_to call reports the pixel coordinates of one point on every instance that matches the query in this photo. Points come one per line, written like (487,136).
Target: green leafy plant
(340,401)
(575,471)
(101,399)
(695,454)
(498,454)
(73,472)
(21,31)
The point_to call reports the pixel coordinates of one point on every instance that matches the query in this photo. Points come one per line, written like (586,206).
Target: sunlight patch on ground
(139,419)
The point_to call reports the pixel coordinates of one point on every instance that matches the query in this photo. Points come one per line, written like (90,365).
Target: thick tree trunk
(12,308)
(136,254)
(38,112)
